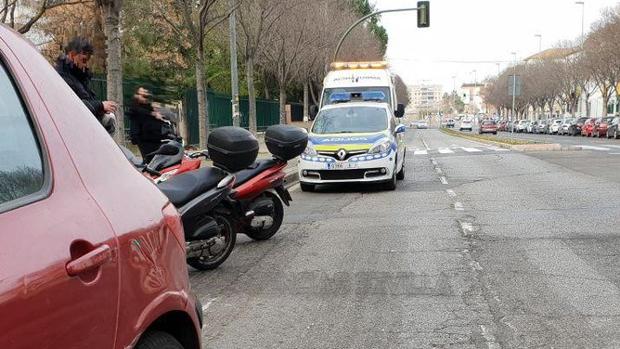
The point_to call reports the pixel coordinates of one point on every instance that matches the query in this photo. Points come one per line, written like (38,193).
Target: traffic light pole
(346,33)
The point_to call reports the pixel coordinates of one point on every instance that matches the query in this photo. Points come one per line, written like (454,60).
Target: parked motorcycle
(260,188)
(202,196)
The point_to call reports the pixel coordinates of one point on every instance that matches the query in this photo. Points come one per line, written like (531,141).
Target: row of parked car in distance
(605,127)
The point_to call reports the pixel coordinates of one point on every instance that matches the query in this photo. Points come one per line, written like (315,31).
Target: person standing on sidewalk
(73,68)
(146,124)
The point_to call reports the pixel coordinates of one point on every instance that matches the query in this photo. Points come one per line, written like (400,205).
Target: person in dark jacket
(73,68)
(146,124)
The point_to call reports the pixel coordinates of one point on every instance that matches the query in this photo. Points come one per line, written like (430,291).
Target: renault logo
(341,154)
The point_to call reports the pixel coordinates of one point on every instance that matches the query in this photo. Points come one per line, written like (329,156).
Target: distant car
(521,126)
(574,128)
(418,124)
(532,126)
(600,130)
(612,129)
(466,125)
(587,129)
(92,254)
(543,126)
(554,126)
(563,129)
(488,126)
(450,123)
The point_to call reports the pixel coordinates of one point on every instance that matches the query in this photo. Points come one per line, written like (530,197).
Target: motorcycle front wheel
(277,216)
(219,247)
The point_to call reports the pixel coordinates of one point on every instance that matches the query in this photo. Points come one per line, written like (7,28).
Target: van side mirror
(400,129)
(400,110)
(313,111)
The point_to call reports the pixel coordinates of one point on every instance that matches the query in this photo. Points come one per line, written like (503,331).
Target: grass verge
(487,138)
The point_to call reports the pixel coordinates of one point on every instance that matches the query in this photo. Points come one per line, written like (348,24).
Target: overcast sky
(478,31)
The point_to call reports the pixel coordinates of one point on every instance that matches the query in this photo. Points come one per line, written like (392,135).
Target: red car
(588,127)
(488,126)
(601,127)
(92,255)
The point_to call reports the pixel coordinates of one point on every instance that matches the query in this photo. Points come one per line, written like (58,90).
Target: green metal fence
(220,112)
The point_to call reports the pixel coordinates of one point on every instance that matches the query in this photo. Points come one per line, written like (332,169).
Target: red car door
(59,273)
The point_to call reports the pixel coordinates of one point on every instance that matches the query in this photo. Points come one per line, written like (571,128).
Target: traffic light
(424,14)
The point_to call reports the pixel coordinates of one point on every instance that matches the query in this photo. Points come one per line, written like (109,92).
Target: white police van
(354,141)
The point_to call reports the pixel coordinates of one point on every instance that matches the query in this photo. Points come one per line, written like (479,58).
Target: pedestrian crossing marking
(457,149)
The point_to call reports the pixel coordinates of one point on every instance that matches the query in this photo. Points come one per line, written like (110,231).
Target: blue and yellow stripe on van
(354,142)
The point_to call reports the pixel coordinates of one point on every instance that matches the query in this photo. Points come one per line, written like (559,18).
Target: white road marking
(451,193)
(433,161)
(591,147)
(443,180)
(425,145)
(458,206)
(497,148)
(439,171)
(471,150)
(209,302)
(467,227)
(489,338)
(445,151)
(420,152)
(614,153)
(613,146)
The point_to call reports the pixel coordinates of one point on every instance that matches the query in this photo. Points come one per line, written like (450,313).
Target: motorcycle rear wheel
(277,216)
(210,262)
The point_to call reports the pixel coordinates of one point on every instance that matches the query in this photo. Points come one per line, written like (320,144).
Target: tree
(111,14)
(256,19)
(402,93)
(31,12)
(191,21)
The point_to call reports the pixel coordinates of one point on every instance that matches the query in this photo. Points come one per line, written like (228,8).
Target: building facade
(472,98)
(425,98)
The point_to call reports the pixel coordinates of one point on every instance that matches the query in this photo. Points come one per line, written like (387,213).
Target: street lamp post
(514,88)
(539,36)
(583,6)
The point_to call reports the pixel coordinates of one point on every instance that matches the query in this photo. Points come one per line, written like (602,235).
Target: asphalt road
(479,247)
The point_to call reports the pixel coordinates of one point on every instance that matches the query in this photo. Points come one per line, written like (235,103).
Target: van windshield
(351,120)
(355,93)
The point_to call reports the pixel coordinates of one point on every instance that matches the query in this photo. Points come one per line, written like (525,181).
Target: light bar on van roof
(359,65)
(373,96)
(340,97)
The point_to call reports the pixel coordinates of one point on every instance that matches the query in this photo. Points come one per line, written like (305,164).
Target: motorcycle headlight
(381,146)
(310,150)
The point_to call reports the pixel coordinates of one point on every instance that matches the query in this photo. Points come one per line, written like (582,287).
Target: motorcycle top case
(232,148)
(286,142)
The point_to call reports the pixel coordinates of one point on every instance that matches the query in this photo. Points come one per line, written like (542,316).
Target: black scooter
(202,197)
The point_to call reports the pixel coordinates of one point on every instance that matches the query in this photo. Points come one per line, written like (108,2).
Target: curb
(522,147)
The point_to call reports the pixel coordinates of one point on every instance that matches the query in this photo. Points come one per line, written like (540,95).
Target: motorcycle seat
(250,172)
(183,188)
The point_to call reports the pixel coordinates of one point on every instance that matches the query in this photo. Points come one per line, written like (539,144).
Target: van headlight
(382,146)
(310,151)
